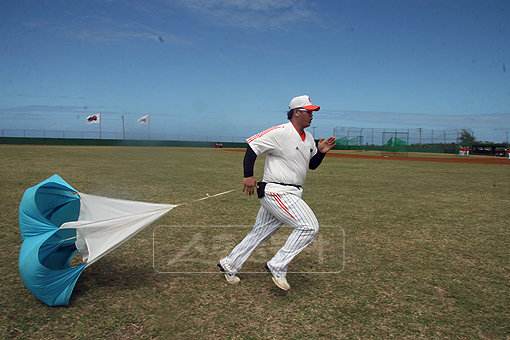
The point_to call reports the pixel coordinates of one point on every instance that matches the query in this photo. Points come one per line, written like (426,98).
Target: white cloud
(125,32)
(258,14)
(102,28)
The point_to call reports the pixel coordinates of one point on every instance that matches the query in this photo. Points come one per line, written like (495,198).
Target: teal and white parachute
(56,221)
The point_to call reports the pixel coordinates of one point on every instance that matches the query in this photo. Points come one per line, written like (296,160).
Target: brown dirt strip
(427,159)
(454,159)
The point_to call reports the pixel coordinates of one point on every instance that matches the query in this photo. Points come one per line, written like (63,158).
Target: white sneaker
(231,278)
(279,280)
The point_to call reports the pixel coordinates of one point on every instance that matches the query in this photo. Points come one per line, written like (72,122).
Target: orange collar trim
(302,135)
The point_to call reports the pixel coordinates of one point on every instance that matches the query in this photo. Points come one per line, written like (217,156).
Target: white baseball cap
(303,102)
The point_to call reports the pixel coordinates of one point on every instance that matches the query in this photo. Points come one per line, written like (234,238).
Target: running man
(291,151)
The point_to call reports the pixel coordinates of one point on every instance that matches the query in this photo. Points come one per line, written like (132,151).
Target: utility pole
(123,130)
(149,125)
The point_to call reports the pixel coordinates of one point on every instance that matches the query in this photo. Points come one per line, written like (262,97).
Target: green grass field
(426,250)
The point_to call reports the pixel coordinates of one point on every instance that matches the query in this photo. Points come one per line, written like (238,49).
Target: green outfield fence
(384,140)
(115,142)
(200,144)
(106,138)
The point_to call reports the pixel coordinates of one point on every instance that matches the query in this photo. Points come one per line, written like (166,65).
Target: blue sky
(225,67)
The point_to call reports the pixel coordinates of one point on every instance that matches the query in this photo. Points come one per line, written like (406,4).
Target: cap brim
(312,107)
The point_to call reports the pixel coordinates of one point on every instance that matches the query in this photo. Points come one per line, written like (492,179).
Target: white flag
(144,120)
(94,119)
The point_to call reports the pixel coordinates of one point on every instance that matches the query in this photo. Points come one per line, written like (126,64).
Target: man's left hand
(326,144)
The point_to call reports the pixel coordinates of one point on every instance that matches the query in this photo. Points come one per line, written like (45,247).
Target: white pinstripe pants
(276,210)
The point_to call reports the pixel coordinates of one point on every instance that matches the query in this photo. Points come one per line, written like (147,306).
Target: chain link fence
(27,133)
(397,140)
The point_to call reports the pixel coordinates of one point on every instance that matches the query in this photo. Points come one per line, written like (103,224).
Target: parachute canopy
(56,221)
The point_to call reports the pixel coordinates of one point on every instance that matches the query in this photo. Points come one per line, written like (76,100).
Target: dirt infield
(417,158)
(452,159)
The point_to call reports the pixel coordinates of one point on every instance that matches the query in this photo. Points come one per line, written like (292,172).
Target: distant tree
(466,137)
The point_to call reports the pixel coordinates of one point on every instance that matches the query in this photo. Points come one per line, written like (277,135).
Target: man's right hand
(249,185)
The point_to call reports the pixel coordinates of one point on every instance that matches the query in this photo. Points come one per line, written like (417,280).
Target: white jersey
(288,156)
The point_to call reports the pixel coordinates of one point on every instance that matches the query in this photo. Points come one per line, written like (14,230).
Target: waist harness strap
(292,185)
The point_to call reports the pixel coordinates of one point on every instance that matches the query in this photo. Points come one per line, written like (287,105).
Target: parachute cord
(208,196)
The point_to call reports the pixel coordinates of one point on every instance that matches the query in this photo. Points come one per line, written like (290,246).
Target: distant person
(291,151)
(218,145)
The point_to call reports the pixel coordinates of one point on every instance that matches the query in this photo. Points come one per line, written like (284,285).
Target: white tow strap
(208,196)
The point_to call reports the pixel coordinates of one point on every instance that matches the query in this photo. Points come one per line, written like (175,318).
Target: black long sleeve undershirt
(249,162)
(250,156)
(316,160)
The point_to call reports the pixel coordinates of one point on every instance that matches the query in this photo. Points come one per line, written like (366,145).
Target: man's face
(305,116)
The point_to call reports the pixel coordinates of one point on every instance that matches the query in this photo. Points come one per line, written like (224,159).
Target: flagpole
(123,130)
(149,125)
